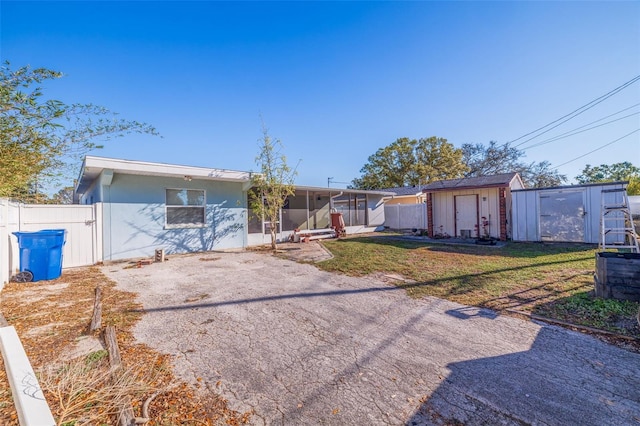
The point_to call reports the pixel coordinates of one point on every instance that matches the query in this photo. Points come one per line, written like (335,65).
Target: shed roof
(492,181)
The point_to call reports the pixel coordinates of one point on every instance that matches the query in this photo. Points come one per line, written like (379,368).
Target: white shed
(563,213)
(472,207)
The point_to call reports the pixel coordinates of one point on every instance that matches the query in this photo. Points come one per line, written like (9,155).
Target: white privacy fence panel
(8,224)
(405,216)
(79,221)
(82,223)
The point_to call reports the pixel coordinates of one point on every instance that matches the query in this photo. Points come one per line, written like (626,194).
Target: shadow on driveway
(536,387)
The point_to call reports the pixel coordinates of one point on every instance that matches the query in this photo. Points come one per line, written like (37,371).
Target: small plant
(96,356)
(593,311)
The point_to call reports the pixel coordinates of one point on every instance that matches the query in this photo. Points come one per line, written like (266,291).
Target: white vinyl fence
(84,232)
(405,216)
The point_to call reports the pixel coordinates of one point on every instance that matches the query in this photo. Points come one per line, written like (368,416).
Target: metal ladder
(616,222)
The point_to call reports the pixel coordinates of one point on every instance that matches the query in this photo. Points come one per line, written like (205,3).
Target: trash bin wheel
(22,277)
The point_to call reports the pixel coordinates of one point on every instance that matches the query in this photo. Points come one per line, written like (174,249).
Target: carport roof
(344,191)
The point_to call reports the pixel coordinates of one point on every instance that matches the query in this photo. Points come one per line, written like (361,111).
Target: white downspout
(331,197)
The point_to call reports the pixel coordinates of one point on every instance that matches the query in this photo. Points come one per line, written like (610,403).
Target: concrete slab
(300,346)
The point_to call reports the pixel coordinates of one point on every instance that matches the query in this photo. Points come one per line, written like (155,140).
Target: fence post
(5,267)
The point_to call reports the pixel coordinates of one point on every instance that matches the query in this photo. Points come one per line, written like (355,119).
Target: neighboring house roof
(492,181)
(405,190)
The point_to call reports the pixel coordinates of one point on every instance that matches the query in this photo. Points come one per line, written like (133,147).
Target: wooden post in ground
(96,318)
(126,417)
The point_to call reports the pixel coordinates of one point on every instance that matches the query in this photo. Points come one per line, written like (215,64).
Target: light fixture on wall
(187,178)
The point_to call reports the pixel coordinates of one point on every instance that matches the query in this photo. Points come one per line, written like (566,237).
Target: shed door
(562,216)
(466,215)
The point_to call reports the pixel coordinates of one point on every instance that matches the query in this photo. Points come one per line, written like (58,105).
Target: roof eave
(92,167)
(466,187)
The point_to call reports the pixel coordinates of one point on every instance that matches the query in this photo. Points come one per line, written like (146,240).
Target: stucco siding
(135,217)
(406,199)
(92,195)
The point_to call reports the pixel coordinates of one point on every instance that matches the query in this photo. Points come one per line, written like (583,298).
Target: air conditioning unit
(465,233)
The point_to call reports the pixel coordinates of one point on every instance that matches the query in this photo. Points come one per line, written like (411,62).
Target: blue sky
(336,81)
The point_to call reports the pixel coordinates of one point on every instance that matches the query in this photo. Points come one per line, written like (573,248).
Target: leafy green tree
(608,173)
(273,185)
(63,196)
(411,162)
(495,159)
(616,172)
(634,185)
(38,137)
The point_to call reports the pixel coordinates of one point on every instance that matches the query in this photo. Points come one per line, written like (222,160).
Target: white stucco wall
(134,217)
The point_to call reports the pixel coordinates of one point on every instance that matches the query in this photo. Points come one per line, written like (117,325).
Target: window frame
(168,206)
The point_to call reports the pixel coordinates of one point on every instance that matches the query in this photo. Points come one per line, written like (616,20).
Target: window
(254,220)
(185,207)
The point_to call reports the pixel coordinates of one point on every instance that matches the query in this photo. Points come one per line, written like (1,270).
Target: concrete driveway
(300,346)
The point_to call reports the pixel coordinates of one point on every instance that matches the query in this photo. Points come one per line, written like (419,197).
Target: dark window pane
(185,215)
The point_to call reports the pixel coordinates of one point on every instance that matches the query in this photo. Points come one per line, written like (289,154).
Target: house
(471,207)
(564,213)
(144,206)
(405,195)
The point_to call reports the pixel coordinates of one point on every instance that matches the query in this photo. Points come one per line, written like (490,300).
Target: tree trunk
(274,244)
(126,416)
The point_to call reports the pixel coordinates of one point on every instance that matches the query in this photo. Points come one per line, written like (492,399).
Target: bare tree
(273,185)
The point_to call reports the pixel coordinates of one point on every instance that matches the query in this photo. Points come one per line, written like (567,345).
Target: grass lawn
(551,280)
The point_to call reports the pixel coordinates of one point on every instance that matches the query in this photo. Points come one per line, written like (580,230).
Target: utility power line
(597,149)
(576,131)
(573,113)
(593,122)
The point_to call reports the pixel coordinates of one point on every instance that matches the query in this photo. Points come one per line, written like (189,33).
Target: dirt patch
(51,318)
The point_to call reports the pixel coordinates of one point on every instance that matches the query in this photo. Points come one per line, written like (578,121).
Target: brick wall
(502,202)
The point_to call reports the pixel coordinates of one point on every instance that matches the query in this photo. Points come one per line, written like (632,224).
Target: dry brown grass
(50,317)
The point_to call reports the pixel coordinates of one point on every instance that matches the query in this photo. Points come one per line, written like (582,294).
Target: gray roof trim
(581,185)
(493,181)
(346,191)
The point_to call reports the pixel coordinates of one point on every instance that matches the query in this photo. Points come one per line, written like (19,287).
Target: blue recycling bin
(41,252)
